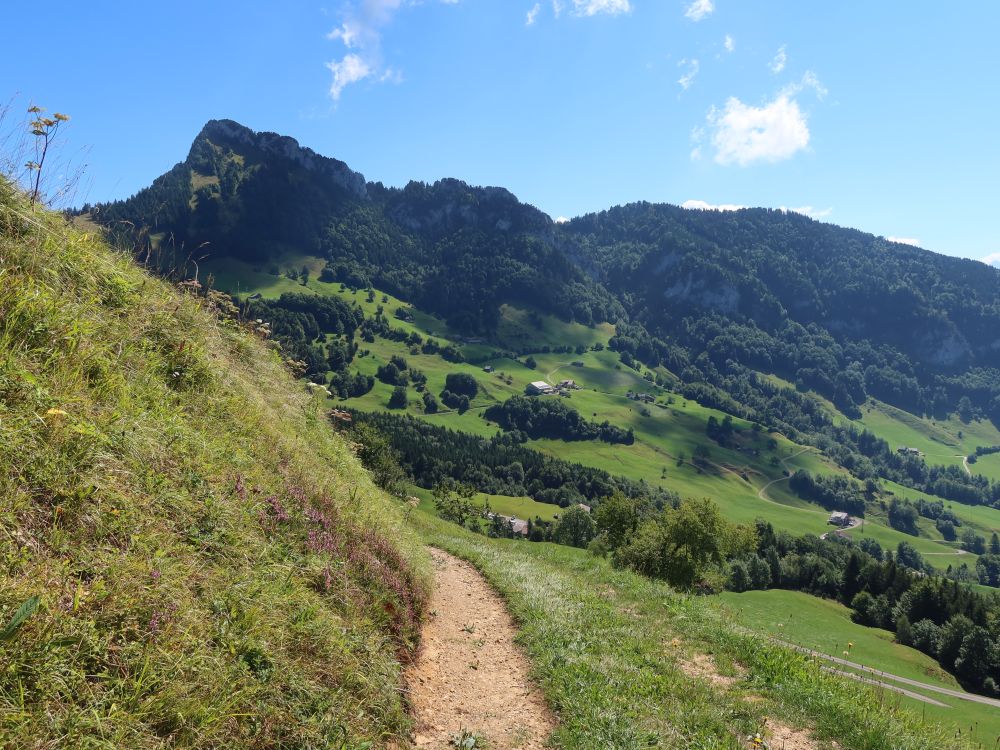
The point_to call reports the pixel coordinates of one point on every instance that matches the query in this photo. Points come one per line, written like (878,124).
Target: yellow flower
(56,413)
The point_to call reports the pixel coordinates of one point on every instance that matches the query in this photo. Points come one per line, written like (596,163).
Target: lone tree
(398,399)
(575,528)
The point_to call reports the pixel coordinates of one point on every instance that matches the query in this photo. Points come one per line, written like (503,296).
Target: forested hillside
(456,250)
(712,296)
(836,310)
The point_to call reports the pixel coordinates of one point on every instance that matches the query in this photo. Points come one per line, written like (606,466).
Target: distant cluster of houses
(541,388)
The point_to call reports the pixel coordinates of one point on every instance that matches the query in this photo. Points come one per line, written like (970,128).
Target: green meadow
(825,626)
(747,479)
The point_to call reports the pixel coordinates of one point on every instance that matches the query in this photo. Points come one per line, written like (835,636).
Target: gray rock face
(694,291)
(945,349)
(228,131)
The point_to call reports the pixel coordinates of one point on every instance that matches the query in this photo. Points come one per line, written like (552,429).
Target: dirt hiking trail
(470,675)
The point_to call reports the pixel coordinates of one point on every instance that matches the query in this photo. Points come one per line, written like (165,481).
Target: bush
(430,403)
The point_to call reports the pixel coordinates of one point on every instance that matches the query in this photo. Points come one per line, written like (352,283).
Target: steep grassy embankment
(201,562)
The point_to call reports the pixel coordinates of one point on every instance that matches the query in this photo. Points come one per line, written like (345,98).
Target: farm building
(539,388)
(488,368)
(839,518)
(905,451)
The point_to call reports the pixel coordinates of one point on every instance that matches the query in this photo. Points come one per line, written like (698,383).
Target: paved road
(887,686)
(971,697)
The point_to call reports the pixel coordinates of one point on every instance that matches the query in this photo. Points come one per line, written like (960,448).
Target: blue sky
(881,116)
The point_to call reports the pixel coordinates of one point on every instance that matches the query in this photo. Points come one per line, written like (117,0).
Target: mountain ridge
(837,310)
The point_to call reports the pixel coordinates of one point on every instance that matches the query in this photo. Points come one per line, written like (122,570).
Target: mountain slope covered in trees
(712,296)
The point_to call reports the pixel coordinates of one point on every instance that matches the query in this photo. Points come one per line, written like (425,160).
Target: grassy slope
(671,431)
(520,507)
(826,626)
(156,466)
(606,646)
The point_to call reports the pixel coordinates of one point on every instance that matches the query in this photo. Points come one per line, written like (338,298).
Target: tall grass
(212,566)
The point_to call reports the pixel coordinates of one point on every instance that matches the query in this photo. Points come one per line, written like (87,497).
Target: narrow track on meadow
(882,676)
(470,675)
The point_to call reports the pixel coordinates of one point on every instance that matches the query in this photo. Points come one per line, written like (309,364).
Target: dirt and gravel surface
(470,674)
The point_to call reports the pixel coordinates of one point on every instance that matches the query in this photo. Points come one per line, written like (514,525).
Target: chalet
(839,518)
(578,363)
(585,507)
(568,384)
(539,388)
(519,526)
(488,368)
(905,451)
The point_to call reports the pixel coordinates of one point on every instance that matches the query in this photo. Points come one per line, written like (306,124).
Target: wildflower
(53,412)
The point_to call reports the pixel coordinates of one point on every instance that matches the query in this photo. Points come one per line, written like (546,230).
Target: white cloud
(780,60)
(729,43)
(744,134)
(561,220)
(696,205)
(594,7)
(533,15)
(699,9)
(812,213)
(557,8)
(687,78)
(347,71)
(361,32)
(808,82)
(905,240)
(993,259)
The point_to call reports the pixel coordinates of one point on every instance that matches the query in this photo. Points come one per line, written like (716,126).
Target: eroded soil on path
(470,674)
